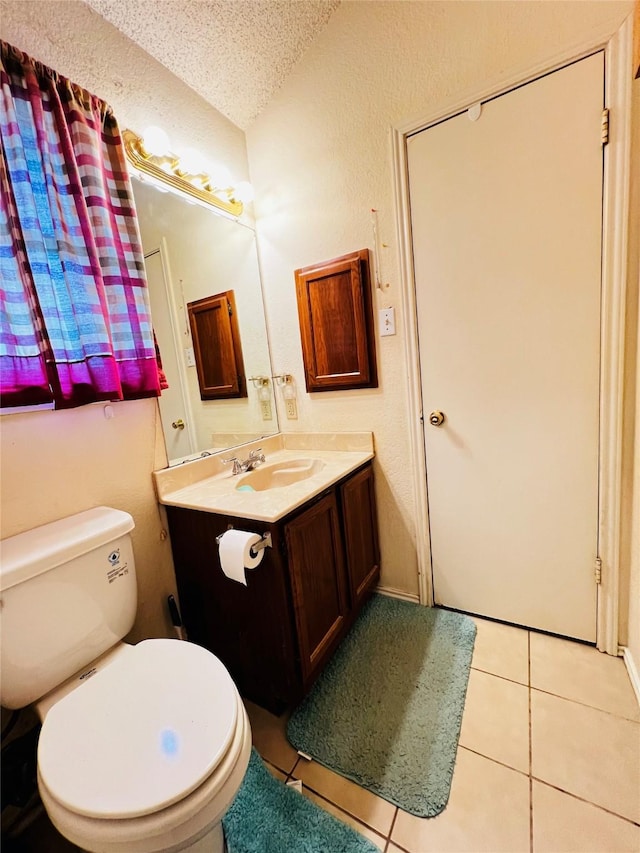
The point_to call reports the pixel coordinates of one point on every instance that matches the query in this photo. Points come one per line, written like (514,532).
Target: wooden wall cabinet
(336,323)
(216,347)
(276,634)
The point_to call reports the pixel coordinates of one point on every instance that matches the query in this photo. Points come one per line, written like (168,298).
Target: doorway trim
(617,47)
(169,290)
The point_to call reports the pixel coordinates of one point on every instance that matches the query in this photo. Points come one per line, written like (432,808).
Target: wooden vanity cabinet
(358,502)
(276,634)
(249,628)
(318,581)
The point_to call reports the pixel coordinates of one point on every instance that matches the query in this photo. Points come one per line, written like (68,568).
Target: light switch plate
(387,317)
(189,357)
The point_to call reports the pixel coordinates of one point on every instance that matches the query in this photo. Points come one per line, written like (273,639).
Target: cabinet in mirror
(192,254)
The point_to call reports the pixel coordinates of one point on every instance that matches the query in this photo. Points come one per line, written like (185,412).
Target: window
(75,323)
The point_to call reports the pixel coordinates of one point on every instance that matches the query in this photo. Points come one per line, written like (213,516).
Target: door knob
(179,424)
(436,418)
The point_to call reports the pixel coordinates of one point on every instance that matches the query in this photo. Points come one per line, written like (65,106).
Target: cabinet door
(361,534)
(318,581)
(336,323)
(250,628)
(216,347)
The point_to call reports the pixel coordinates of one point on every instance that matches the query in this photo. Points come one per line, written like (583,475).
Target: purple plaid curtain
(74,306)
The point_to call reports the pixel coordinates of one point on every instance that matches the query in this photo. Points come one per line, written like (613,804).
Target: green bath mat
(268,817)
(386,711)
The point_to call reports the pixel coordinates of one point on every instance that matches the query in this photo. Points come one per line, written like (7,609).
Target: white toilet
(142,748)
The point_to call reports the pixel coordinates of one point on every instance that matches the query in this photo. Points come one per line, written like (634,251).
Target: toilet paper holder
(265,542)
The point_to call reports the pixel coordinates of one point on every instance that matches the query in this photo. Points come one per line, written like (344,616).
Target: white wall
(58,463)
(320,160)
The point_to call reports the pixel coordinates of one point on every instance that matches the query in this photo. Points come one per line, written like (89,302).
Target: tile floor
(549,760)
(549,757)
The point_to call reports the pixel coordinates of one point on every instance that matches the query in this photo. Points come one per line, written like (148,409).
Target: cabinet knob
(436,418)
(179,424)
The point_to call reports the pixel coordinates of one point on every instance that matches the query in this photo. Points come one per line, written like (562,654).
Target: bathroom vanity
(277,633)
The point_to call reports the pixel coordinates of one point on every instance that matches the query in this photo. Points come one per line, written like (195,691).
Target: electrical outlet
(387,318)
(265,408)
(291,409)
(189,356)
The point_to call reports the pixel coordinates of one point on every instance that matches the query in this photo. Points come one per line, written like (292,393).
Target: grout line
(586,705)
(502,677)
(587,802)
(293,769)
(391,828)
(530,744)
(399,846)
(494,760)
(344,811)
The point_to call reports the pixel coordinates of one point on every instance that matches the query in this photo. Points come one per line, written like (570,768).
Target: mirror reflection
(191,254)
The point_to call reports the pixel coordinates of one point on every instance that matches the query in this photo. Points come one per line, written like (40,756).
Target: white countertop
(212,488)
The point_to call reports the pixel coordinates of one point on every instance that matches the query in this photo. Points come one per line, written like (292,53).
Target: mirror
(192,253)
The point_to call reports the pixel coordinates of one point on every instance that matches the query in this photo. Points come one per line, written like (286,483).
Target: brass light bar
(152,165)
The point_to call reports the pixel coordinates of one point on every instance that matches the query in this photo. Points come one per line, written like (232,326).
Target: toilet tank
(67,594)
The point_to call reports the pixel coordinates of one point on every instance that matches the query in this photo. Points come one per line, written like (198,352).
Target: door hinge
(604,126)
(598,570)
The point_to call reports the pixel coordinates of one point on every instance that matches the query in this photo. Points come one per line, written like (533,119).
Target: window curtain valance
(74,307)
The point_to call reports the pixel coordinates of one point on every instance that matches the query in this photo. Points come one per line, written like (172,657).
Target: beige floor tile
(278,774)
(488,810)
(362,804)
(587,752)
(496,720)
(563,824)
(269,738)
(372,836)
(582,673)
(501,650)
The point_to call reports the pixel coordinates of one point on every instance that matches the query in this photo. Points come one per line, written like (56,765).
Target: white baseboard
(632,669)
(397,593)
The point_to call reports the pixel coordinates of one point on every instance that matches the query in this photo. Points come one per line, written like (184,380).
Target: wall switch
(387,318)
(189,357)
(291,409)
(265,409)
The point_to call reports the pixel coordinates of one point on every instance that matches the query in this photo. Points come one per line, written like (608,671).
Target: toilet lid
(140,734)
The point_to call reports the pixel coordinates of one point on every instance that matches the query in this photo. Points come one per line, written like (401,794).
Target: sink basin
(278,474)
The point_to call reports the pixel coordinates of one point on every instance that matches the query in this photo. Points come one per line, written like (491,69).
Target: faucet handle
(254,453)
(237,465)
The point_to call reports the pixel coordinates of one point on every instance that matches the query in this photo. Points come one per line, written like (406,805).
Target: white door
(173,408)
(506,219)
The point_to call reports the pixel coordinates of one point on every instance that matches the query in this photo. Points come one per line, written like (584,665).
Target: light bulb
(220,176)
(192,162)
(244,192)
(156,142)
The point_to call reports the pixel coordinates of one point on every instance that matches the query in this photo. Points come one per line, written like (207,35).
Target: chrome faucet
(256,457)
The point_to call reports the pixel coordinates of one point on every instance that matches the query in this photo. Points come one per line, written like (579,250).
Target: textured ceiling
(234,53)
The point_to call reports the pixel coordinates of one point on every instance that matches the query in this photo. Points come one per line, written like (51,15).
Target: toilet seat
(172,829)
(174,708)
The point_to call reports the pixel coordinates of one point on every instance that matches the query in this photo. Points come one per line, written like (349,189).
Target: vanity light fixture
(152,156)
(288,387)
(283,378)
(262,384)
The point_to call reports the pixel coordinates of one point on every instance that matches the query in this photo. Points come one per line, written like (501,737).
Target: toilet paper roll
(236,556)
